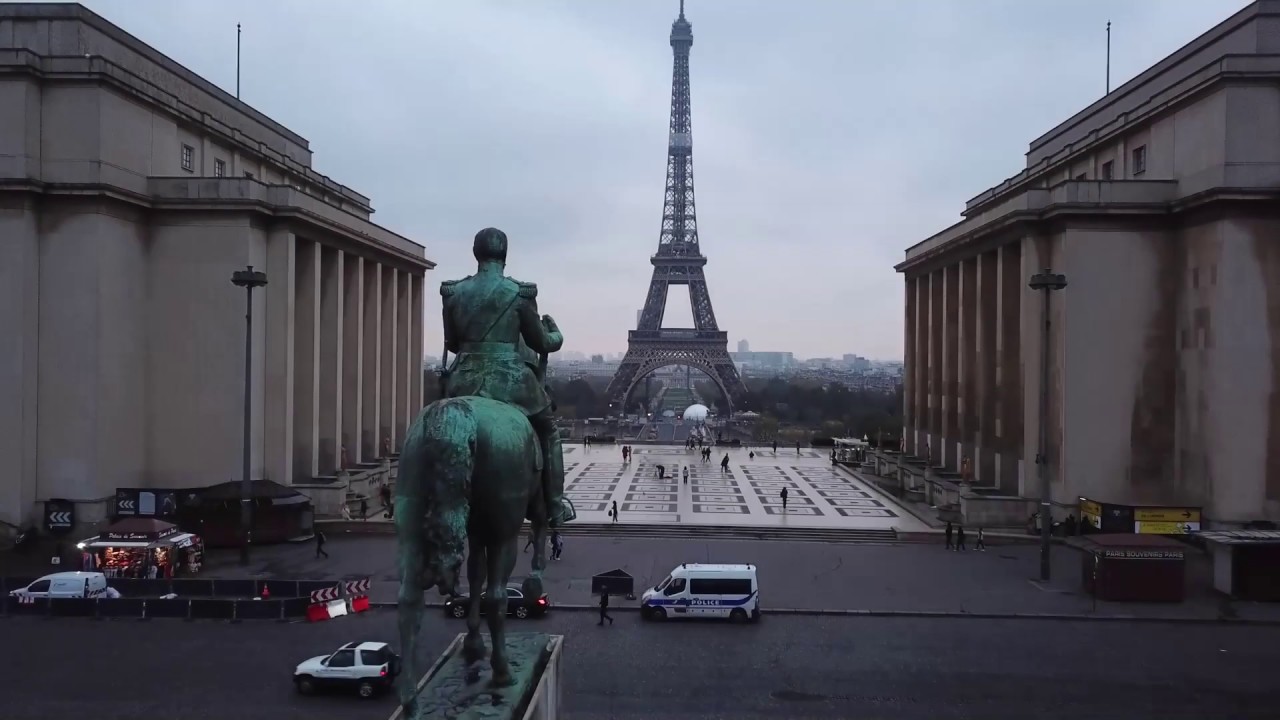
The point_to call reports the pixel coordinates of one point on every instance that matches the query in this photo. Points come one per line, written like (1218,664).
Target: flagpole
(237,61)
(1108,57)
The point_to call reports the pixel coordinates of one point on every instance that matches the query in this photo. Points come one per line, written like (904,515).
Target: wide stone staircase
(722,532)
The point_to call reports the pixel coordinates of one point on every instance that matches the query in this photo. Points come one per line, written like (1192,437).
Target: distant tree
(832,429)
(764,429)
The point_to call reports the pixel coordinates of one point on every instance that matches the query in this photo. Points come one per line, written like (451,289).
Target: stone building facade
(1159,204)
(130,191)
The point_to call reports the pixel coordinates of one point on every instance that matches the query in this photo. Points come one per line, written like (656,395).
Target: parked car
(366,667)
(517,605)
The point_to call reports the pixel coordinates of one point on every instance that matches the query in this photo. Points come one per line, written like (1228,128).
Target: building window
(1082,176)
(219,168)
(1139,159)
(1108,170)
(188,158)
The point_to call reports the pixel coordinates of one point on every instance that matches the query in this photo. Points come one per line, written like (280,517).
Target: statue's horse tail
(433,493)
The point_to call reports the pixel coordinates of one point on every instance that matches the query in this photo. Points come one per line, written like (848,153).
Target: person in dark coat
(604,609)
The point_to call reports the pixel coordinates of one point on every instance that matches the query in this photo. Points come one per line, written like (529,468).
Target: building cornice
(100,70)
(1036,210)
(75,12)
(1223,71)
(1167,66)
(279,202)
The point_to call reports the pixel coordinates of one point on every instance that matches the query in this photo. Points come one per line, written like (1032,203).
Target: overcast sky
(829,135)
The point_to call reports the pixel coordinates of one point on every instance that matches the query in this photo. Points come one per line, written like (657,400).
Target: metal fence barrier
(196,599)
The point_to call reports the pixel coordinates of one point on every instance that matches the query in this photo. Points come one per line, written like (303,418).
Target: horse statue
(469,470)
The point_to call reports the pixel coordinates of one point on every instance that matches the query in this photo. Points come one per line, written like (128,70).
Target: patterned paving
(749,493)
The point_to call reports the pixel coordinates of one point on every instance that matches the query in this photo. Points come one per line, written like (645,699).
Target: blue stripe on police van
(695,602)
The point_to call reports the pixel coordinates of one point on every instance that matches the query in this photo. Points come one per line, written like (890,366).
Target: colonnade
(343,365)
(963,380)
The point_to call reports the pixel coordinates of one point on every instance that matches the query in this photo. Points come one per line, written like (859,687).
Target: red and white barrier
(326,610)
(331,609)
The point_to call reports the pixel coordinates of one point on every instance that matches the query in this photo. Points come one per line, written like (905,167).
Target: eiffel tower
(679,261)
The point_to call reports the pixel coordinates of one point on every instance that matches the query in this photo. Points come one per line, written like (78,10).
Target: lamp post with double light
(1046,282)
(247,279)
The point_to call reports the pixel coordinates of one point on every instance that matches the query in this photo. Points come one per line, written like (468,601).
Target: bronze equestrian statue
(478,462)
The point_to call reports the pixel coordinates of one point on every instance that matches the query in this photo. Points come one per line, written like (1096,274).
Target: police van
(702,590)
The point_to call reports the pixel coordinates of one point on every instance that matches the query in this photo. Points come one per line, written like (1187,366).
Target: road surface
(784,667)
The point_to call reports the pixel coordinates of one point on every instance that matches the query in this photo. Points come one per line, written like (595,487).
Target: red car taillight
(542,601)
(382,671)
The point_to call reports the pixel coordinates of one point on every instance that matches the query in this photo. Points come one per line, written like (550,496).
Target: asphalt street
(801,575)
(784,667)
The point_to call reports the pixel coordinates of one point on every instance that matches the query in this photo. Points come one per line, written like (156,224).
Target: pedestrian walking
(724,463)
(982,542)
(557,545)
(529,543)
(685,473)
(797,447)
(320,539)
(960,538)
(613,511)
(346,511)
(364,508)
(775,446)
(752,455)
(949,545)
(604,609)
(784,499)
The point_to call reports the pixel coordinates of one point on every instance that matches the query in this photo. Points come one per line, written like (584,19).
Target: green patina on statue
(478,462)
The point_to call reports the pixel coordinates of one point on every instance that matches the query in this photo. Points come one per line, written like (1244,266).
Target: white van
(66,585)
(701,590)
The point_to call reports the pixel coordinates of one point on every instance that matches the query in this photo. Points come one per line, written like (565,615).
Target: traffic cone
(266,592)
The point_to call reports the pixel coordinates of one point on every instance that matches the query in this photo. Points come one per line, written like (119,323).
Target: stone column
(909,387)
(352,359)
(306,362)
(278,373)
(1009,373)
(19,353)
(937,340)
(968,377)
(987,362)
(950,365)
(404,356)
(331,335)
(371,379)
(921,370)
(417,349)
(388,386)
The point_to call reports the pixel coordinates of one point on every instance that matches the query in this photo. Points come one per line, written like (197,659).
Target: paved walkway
(793,575)
(747,494)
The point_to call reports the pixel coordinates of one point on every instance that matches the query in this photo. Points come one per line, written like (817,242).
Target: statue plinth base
(444,692)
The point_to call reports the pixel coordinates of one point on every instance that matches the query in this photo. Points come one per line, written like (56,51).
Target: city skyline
(566,156)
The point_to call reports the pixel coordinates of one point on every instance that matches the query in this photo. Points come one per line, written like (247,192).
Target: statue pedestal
(444,692)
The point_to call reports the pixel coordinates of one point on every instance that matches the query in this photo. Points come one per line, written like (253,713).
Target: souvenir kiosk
(140,547)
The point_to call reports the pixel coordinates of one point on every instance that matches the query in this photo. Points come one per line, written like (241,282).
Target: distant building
(766,359)
(744,346)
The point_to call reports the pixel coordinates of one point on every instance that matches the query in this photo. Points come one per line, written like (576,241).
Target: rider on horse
(491,324)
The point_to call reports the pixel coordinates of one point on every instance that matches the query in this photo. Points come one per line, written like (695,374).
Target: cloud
(829,135)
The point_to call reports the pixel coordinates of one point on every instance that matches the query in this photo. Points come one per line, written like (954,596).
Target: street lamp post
(247,279)
(1046,282)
